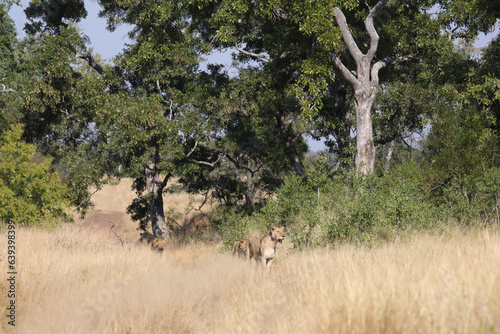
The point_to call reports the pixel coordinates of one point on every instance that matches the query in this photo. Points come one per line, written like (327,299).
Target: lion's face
(158,244)
(277,233)
(243,245)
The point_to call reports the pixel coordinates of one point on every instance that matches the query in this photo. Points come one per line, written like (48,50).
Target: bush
(317,209)
(29,193)
(233,226)
(472,199)
(297,208)
(373,208)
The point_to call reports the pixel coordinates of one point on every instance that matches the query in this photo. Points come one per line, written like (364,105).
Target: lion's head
(277,233)
(243,245)
(158,244)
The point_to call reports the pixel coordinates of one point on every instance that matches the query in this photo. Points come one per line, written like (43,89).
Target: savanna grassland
(80,279)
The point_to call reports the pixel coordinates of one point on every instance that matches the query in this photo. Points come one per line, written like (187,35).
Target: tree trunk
(250,195)
(388,156)
(365,147)
(155,187)
(289,145)
(364,82)
(294,158)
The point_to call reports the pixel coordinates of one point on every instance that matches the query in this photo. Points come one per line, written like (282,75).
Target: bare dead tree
(364,82)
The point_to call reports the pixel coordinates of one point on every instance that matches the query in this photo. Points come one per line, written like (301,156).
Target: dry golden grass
(78,281)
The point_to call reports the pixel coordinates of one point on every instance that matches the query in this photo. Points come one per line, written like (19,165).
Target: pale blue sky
(105,43)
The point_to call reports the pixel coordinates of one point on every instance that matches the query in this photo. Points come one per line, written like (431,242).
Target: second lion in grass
(241,247)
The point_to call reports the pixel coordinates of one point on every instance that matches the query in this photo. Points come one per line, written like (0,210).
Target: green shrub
(473,199)
(233,226)
(29,193)
(297,208)
(371,208)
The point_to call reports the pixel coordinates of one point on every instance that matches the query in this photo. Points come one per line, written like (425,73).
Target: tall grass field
(79,279)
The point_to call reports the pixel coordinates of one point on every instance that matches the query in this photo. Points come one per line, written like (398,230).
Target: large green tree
(10,88)
(301,42)
(131,120)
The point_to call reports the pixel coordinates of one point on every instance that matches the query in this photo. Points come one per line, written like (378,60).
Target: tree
(266,42)
(364,82)
(9,90)
(168,130)
(303,39)
(252,161)
(133,120)
(30,193)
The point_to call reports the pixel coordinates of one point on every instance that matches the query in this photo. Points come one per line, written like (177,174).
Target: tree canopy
(384,83)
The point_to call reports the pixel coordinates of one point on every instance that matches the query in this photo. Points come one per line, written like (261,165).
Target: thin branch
(404,142)
(112,225)
(165,181)
(251,54)
(237,164)
(211,164)
(205,199)
(5,89)
(300,133)
(192,150)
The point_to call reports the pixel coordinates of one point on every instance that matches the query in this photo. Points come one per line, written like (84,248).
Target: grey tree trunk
(155,187)
(365,147)
(250,195)
(364,82)
(388,156)
(290,147)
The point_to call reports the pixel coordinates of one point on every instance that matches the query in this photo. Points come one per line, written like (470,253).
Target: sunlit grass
(76,281)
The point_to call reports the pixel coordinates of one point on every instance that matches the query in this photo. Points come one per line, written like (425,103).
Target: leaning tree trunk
(250,194)
(155,187)
(289,144)
(364,82)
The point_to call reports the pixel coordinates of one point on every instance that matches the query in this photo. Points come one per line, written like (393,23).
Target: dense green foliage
(30,193)
(240,139)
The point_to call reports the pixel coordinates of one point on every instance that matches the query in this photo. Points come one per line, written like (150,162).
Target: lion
(241,248)
(263,249)
(157,244)
(254,248)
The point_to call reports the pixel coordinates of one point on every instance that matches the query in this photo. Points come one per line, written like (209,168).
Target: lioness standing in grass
(263,249)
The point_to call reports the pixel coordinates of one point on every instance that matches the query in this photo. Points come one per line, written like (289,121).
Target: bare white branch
(193,149)
(383,63)
(5,89)
(370,28)
(211,164)
(347,36)
(345,73)
(251,54)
